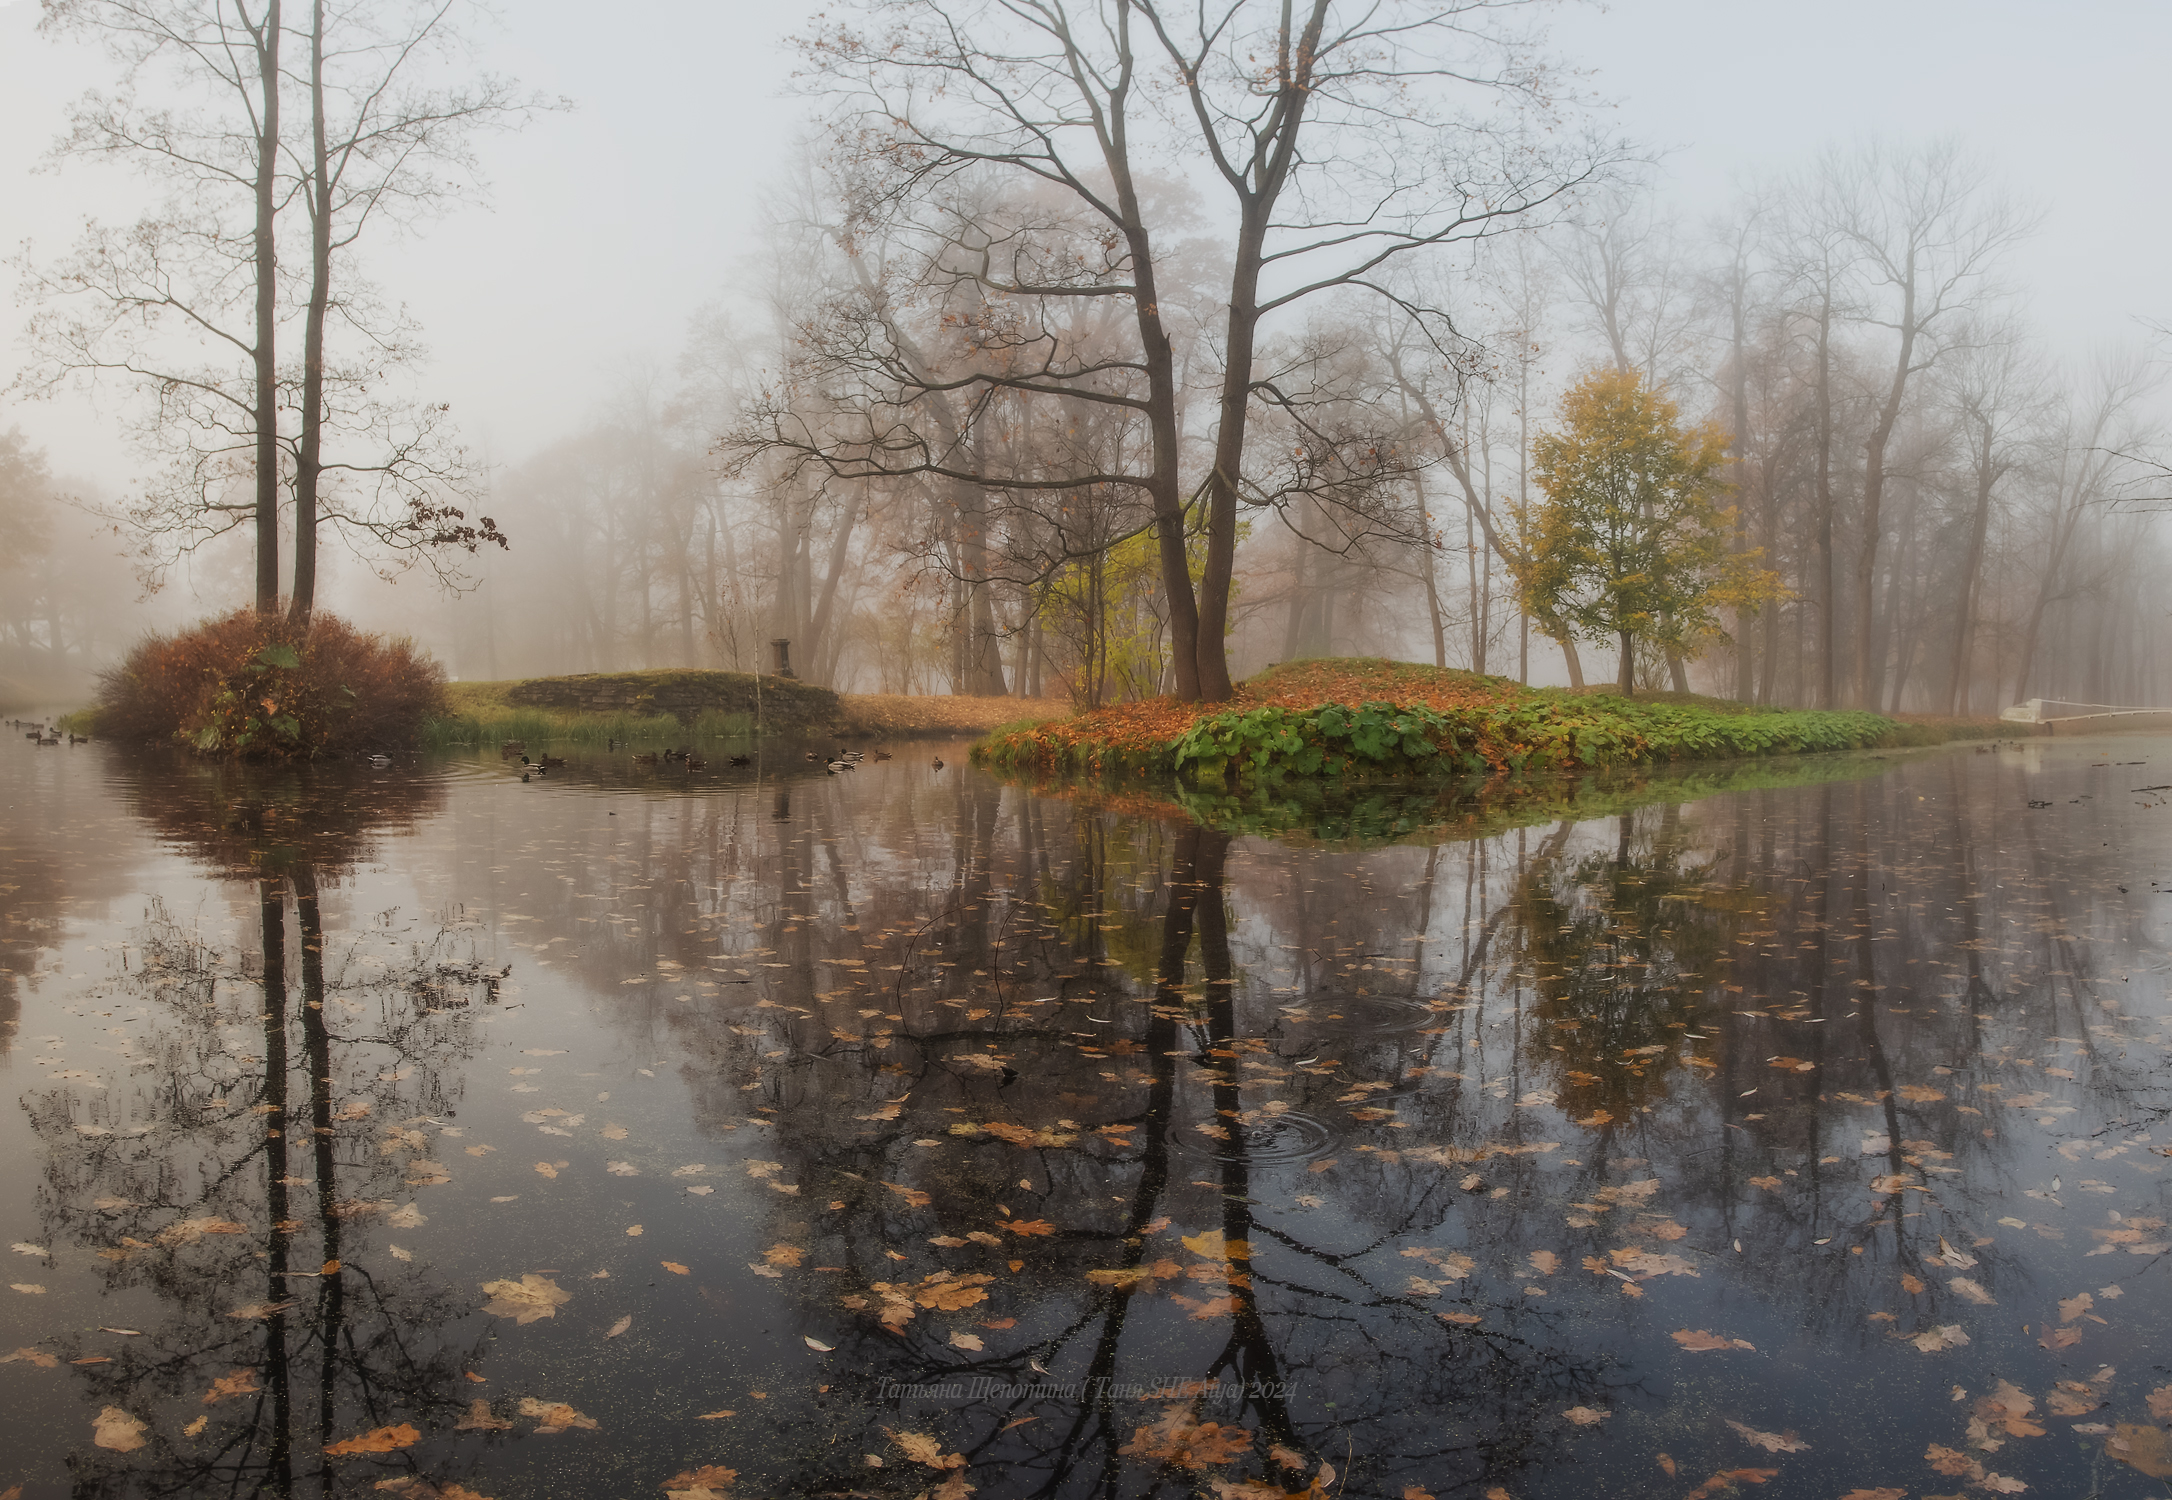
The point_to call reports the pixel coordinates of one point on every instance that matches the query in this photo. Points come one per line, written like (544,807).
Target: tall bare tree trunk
(308,465)
(267,314)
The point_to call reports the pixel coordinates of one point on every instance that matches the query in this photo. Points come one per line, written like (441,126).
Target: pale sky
(611,224)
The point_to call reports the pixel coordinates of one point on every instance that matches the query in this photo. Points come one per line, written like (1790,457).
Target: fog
(638,314)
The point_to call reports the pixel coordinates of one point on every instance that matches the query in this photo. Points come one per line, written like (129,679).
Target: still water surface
(762,1132)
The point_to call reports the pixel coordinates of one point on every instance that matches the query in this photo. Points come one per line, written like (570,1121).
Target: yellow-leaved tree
(1627,540)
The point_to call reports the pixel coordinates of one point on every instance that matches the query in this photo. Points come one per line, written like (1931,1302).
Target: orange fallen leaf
(554,1416)
(479,1419)
(377,1440)
(1771,1442)
(1697,1341)
(1728,1479)
(708,1476)
(117,1430)
(675,1268)
(239,1383)
(1029,1226)
(913,1197)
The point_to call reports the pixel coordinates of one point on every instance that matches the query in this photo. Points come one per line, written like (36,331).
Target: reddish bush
(259,686)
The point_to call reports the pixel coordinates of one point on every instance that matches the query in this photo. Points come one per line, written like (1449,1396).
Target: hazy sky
(610,224)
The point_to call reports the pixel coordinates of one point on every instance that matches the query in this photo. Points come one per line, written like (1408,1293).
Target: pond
(758,1131)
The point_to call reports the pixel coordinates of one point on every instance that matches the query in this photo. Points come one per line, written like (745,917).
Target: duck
(937,763)
(380,761)
(814,758)
(855,756)
(694,762)
(882,755)
(740,760)
(671,754)
(835,766)
(547,763)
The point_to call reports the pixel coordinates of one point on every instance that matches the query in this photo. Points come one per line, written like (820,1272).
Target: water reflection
(1055,1146)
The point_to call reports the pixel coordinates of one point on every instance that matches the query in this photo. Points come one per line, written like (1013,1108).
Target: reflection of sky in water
(1808,1128)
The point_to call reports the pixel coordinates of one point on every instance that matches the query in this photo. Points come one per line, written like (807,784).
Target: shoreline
(1374,722)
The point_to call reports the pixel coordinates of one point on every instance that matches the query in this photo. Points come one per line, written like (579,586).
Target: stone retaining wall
(685,695)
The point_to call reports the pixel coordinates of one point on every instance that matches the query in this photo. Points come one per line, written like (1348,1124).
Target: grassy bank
(490,713)
(1365,718)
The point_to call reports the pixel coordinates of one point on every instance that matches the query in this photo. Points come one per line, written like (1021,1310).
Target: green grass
(491,726)
(1372,722)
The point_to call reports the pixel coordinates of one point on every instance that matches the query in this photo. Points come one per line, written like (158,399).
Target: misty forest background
(1959,519)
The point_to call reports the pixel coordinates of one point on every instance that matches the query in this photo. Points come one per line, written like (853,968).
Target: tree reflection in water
(282,1110)
(1120,1153)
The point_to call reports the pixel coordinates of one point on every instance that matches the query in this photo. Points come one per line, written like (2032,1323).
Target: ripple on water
(1277,1140)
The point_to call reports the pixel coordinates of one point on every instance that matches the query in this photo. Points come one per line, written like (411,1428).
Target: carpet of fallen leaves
(1128,735)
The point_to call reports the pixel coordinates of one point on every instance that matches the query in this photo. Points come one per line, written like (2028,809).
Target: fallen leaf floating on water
(970,1342)
(1881,1494)
(190,1430)
(554,1416)
(525,1300)
(377,1440)
(1771,1442)
(423,1489)
(913,1197)
(1973,1292)
(117,1430)
(1697,1341)
(1586,1416)
(239,1383)
(923,1449)
(2160,1403)
(27,1288)
(2007,1408)
(817,1345)
(1178,1438)
(1727,1479)
(675,1268)
(1937,1340)
(1950,1461)
(2139,1447)
(705,1483)
(2071,1308)
(262,1309)
(21,1247)
(479,1419)
(620,1326)
(46,1361)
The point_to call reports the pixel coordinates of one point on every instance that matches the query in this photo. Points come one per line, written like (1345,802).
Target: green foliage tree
(1627,540)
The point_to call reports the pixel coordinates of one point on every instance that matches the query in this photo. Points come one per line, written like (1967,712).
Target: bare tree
(1927,235)
(1326,126)
(182,306)
(386,147)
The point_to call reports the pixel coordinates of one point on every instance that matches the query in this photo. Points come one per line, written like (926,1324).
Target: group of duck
(687,759)
(44,734)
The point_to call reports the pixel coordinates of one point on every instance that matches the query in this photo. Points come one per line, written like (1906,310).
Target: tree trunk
(267,316)
(1829,583)
(1628,684)
(1964,636)
(1867,660)
(309,466)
